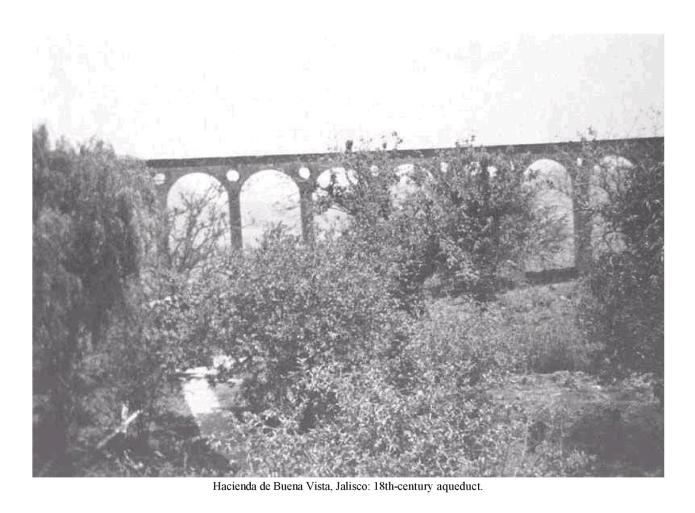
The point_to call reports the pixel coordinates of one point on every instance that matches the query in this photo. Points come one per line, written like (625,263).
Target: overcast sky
(212,93)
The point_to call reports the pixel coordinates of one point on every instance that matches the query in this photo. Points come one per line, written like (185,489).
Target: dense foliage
(87,214)
(481,212)
(104,342)
(286,309)
(627,283)
(466,216)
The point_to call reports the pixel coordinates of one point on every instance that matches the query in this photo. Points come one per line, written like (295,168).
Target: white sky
(258,85)
(262,80)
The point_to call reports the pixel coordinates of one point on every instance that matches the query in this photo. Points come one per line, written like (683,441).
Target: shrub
(286,308)
(377,429)
(627,284)
(434,419)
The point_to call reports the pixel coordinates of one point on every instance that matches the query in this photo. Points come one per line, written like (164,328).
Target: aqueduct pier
(578,158)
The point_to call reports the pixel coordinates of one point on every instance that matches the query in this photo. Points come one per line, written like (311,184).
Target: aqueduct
(578,158)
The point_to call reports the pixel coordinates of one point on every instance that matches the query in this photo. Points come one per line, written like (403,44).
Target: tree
(627,279)
(199,231)
(383,229)
(468,223)
(89,212)
(482,215)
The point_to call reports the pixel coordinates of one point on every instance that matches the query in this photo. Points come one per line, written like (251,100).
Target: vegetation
(198,232)
(346,359)
(627,284)
(88,216)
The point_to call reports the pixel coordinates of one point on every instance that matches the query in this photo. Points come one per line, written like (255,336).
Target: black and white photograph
(322,250)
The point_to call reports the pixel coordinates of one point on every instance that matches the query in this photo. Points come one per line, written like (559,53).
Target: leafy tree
(483,218)
(469,222)
(88,217)
(383,229)
(627,281)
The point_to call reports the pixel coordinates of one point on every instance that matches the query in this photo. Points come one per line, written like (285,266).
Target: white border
(26,23)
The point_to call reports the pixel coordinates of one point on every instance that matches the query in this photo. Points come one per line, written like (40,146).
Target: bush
(627,284)
(627,314)
(377,429)
(287,308)
(440,419)
(435,419)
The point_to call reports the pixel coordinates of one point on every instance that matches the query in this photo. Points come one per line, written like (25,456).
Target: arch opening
(331,221)
(406,185)
(552,245)
(607,180)
(269,198)
(198,221)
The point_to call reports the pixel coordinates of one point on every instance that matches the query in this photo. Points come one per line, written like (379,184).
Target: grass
(575,423)
(618,427)
(542,320)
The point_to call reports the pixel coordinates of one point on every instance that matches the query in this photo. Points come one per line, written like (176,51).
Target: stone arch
(197,208)
(553,246)
(268,197)
(606,180)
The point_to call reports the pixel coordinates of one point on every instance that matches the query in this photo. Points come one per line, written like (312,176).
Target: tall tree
(87,241)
